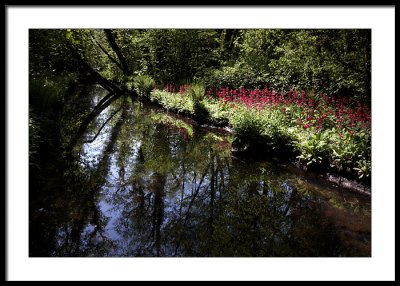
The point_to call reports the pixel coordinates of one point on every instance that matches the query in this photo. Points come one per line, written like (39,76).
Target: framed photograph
(251,145)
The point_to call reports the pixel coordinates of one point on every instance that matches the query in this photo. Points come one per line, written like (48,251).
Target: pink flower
(305,126)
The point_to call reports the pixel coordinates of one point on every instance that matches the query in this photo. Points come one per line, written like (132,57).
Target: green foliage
(191,102)
(312,148)
(330,61)
(219,112)
(265,129)
(234,78)
(177,55)
(197,92)
(258,48)
(172,101)
(273,130)
(49,54)
(351,150)
(342,156)
(131,43)
(248,129)
(142,84)
(363,168)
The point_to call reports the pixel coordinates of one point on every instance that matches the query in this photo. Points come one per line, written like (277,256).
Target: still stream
(144,182)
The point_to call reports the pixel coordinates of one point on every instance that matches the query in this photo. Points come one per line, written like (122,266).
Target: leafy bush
(142,84)
(248,129)
(197,92)
(363,168)
(174,101)
(313,148)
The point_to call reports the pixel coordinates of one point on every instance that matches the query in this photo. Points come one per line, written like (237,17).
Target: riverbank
(292,164)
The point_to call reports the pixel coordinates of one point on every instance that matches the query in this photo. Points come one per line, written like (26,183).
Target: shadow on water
(141,182)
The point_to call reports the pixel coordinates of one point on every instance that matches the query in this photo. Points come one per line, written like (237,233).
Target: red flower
(305,126)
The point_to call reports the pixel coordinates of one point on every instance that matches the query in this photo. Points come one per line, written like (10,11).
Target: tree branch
(116,49)
(105,83)
(108,55)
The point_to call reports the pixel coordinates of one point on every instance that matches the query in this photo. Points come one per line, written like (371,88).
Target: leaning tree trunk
(117,50)
(97,77)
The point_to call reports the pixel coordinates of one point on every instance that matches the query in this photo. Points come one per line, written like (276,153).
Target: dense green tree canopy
(336,62)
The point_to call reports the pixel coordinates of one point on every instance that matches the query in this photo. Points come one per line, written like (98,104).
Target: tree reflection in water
(141,182)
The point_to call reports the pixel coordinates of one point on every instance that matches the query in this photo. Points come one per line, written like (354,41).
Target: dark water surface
(152,184)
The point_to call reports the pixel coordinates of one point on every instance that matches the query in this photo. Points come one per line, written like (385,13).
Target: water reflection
(141,182)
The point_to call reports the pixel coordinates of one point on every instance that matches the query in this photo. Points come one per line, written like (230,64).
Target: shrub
(172,101)
(313,148)
(248,129)
(363,168)
(142,84)
(197,92)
